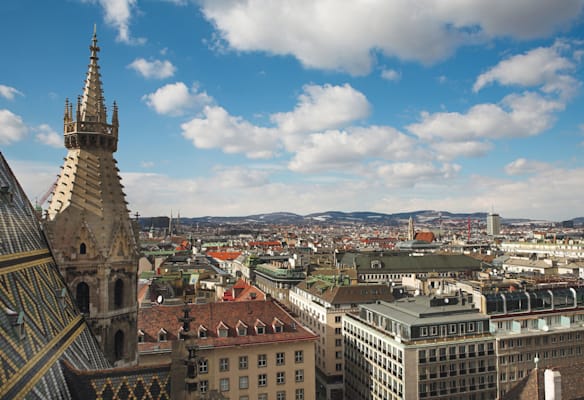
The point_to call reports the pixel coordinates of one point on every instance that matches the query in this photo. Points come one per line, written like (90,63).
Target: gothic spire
(92,103)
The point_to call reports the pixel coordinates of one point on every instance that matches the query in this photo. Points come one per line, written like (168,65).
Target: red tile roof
(210,316)
(224,255)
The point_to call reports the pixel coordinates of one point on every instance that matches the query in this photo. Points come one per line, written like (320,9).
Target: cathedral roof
(39,321)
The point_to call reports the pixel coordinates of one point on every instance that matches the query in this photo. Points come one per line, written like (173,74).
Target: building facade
(88,225)
(419,348)
(244,350)
(493,224)
(320,304)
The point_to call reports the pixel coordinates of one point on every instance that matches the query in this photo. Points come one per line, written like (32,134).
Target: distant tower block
(493,224)
(88,225)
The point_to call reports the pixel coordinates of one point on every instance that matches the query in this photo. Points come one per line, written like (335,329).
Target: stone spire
(91,115)
(92,104)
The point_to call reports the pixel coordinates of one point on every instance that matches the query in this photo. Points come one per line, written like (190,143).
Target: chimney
(552,384)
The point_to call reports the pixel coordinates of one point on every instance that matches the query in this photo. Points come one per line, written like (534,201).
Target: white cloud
(12,129)
(522,166)
(147,164)
(46,135)
(118,14)
(238,177)
(429,187)
(176,98)
(518,115)
(410,174)
(448,151)
(341,150)
(156,69)
(9,92)
(218,129)
(323,107)
(329,34)
(543,66)
(390,75)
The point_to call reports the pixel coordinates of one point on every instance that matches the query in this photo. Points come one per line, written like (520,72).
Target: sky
(233,108)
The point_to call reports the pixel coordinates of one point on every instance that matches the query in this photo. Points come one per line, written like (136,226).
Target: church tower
(88,225)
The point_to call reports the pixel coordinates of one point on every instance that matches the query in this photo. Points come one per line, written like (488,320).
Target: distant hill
(341,217)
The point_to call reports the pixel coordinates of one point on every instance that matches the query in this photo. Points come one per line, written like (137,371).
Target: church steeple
(90,127)
(92,103)
(92,236)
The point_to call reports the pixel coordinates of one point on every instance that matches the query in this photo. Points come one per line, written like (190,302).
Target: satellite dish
(160,299)
(446,301)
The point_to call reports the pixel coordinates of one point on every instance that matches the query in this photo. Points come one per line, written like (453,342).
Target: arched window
(82,248)
(119,345)
(83,297)
(119,293)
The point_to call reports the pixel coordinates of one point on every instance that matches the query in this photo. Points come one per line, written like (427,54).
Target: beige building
(88,226)
(321,304)
(419,348)
(245,350)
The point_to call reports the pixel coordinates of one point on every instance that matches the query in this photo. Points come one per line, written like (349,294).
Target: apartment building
(249,350)
(320,303)
(419,348)
(540,327)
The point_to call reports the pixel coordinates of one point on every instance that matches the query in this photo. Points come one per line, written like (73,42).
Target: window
(83,297)
(338,319)
(300,394)
(338,354)
(299,375)
(243,362)
(262,380)
(243,397)
(119,345)
(281,395)
(280,378)
(262,360)
(261,330)
(424,331)
(204,386)
(162,335)
(222,332)
(338,342)
(203,367)
(263,396)
(202,332)
(337,331)
(224,384)
(119,293)
(338,367)
(299,356)
(223,364)
(242,330)
(279,358)
(471,326)
(82,248)
(243,382)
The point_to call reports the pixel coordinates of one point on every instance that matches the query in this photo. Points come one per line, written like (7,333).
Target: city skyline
(243,108)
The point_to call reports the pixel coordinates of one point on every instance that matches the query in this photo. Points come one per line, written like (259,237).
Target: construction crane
(42,200)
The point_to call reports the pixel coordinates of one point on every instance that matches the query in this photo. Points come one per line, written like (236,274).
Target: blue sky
(243,107)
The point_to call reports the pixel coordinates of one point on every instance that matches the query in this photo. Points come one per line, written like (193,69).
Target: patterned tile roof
(35,335)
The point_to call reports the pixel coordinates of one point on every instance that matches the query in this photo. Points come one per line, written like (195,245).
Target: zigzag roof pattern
(39,321)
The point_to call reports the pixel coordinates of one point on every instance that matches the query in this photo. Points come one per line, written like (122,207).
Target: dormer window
(140,336)
(162,335)
(241,329)
(203,332)
(277,325)
(260,327)
(222,330)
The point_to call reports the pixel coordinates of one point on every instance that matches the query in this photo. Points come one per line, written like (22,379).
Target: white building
(493,224)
